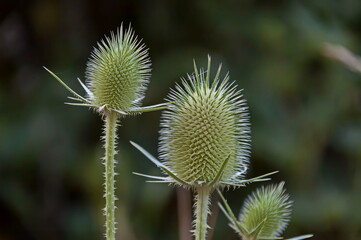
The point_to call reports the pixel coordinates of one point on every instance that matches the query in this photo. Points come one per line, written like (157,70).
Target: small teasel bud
(206,125)
(266,213)
(118,72)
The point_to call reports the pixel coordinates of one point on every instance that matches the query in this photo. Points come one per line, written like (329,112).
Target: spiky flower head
(205,134)
(205,129)
(266,212)
(264,215)
(117,75)
(118,71)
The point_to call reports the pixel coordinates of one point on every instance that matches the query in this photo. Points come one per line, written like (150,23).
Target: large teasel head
(116,76)
(205,133)
(206,126)
(264,215)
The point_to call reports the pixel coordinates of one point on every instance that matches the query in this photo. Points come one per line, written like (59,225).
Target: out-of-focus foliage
(305,112)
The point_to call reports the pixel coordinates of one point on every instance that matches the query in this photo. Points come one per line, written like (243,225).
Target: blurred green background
(305,113)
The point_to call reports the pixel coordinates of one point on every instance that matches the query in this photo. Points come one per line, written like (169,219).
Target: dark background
(305,112)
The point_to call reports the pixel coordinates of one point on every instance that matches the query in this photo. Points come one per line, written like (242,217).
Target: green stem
(109,162)
(202,209)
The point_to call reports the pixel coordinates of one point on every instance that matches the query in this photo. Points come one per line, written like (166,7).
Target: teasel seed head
(117,75)
(267,210)
(205,135)
(264,215)
(118,71)
(205,129)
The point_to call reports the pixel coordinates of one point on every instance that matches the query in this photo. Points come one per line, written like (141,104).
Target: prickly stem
(202,202)
(109,162)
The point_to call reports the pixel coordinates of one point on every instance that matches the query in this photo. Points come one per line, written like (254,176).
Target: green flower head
(118,71)
(117,75)
(206,125)
(267,209)
(205,134)
(264,215)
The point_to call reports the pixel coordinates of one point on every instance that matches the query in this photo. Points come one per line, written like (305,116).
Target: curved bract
(118,71)
(205,125)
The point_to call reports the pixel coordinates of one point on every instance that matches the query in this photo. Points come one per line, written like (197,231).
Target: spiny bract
(205,125)
(268,208)
(118,71)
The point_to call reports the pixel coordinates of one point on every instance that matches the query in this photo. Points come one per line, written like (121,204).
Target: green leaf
(80,104)
(151,108)
(301,237)
(66,86)
(148,155)
(220,172)
(150,176)
(118,111)
(86,88)
(159,164)
(242,183)
(229,214)
(75,99)
(269,238)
